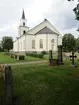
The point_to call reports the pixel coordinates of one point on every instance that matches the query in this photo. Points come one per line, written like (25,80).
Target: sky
(58,12)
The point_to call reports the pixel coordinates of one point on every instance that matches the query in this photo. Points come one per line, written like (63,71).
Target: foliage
(35,55)
(7,42)
(34,52)
(77,44)
(68,42)
(76,10)
(44,52)
(1,49)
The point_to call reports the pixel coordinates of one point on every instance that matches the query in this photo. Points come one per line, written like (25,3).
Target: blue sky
(58,12)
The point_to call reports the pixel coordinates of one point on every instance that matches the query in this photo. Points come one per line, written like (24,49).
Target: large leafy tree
(76,9)
(68,42)
(7,42)
(77,44)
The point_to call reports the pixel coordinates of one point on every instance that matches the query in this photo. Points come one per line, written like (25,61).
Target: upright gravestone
(8,84)
(52,62)
(50,54)
(60,57)
(73,56)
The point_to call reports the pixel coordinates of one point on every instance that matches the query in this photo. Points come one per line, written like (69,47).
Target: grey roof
(45,30)
(23,15)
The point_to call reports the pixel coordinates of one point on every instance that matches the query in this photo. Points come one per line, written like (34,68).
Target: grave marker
(6,70)
(60,57)
(73,56)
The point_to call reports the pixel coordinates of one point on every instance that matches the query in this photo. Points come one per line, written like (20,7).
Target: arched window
(52,41)
(41,43)
(23,23)
(24,32)
(33,43)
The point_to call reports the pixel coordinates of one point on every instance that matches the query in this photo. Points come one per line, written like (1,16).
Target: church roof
(43,27)
(23,15)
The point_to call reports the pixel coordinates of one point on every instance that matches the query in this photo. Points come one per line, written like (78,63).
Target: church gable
(45,30)
(41,28)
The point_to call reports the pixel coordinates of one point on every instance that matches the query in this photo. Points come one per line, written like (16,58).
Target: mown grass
(7,59)
(45,85)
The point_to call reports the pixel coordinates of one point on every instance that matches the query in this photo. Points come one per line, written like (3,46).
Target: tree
(68,42)
(7,42)
(76,10)
(77,44)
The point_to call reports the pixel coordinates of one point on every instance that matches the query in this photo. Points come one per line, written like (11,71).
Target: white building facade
(43,37)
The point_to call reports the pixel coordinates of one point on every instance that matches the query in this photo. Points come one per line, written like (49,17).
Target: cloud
(58,12)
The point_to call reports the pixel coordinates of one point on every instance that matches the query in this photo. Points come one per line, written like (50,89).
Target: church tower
(22,29)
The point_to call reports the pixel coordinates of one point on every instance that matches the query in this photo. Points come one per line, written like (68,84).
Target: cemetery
(54,82)
(38,64)
(43,84)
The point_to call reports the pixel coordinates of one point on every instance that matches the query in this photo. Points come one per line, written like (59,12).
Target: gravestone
(7,76)
(73,56)
(50,54)
(60,57)
(8,84)
(53,62)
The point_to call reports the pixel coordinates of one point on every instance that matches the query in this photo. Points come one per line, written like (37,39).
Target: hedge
(35,55)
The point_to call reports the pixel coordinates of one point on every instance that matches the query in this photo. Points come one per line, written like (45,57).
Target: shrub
(40,55)
(21,57)
(11,55)
(35,55)
(44,52)
(35,52)
(5,50)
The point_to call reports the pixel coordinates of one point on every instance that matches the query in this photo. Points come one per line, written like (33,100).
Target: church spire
(23,14)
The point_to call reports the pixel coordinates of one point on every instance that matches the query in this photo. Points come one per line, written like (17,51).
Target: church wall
(38,37)
(52,46)
(29,39)
(60,40)
(21,29)
(15,46)
(22,44)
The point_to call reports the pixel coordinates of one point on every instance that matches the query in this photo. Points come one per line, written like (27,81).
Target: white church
(43,37)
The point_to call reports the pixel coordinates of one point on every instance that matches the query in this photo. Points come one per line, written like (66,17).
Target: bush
(5,50)
(12,55)
(35,52)
(40,55)
(21,57)
(44,52)
(35,55)
(1,49)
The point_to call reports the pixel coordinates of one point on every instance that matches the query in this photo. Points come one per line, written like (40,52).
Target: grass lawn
(45,85)
(8,59)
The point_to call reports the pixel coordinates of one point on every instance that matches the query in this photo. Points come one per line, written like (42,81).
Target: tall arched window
(52,41)
(41,43)
(23,23)
(24,32)
(33,43)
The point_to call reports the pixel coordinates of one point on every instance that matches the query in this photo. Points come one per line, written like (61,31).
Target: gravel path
(25,63)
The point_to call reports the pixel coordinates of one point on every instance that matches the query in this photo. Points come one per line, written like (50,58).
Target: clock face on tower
(23,23)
